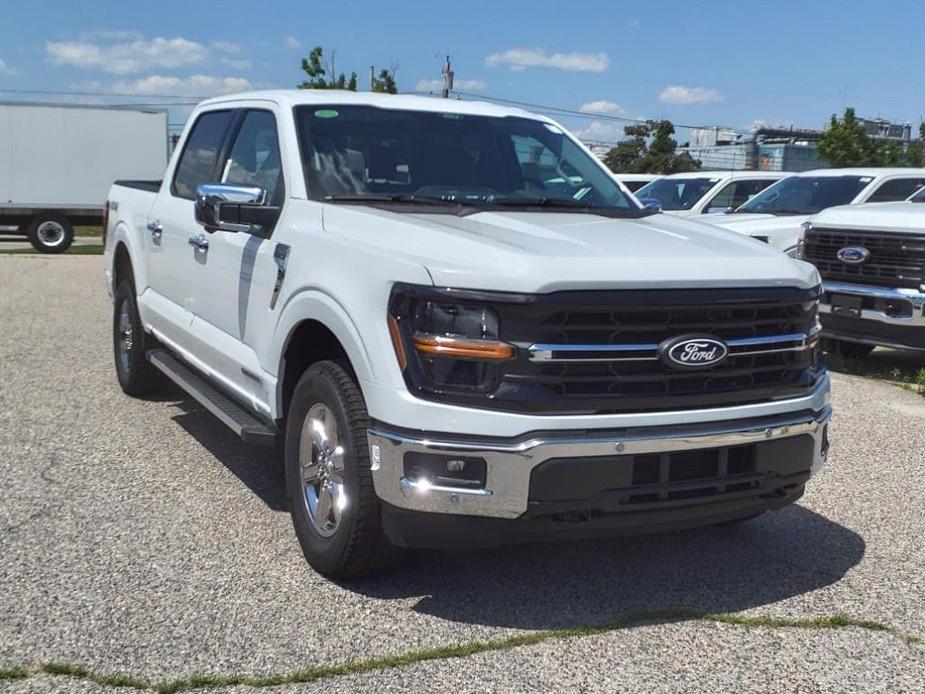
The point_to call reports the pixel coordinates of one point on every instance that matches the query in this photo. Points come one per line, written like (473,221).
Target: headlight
(445,344)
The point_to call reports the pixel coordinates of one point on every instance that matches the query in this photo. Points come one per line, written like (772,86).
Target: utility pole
(372,77)
(447,78)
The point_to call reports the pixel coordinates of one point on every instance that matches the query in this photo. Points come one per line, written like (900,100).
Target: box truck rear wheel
(50,233)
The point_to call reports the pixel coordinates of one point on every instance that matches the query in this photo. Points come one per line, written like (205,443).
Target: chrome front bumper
(509,462)
(912,296)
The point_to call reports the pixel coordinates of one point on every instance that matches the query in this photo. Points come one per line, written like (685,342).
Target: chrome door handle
(156,229)
(200,242)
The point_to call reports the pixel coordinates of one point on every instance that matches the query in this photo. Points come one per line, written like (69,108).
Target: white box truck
(58,161)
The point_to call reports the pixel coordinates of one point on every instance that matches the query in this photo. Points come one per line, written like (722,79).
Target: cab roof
(864,171)
(297,97)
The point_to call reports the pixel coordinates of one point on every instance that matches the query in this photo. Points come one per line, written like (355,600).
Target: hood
(875,216)
(538,252)
(781,231)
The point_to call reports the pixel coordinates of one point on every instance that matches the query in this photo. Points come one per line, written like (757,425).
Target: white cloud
(523,58)
(127,57)
(226,46)
(293,43)
(599,131)
(761,123)
(601,106)
(5,69)
(633,24)
(458,85)
(237,63)
(193,85)
(679,94)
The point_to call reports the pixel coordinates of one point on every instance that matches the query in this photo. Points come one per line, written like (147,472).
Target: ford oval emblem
(693,352)
(853,255)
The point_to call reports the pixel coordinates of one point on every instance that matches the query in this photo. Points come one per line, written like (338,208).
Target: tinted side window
(896,190)
(254,159)
(197,162)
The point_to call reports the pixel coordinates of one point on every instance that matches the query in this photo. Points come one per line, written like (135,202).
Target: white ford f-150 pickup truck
(460,328)
(776,215)
(872,262)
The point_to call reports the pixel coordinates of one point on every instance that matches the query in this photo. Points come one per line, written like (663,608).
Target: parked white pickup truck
(460,328)
(776,215)
(705,192)
(872,261)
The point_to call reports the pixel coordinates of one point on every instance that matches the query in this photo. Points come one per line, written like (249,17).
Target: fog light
(446,470)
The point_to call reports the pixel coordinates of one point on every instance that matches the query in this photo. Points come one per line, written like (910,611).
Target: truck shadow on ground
(777,556)
(567,584)
(260,469)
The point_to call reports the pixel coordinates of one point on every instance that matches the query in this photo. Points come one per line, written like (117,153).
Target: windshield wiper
(786,212)
(540,202)
(391,197)
(567,204)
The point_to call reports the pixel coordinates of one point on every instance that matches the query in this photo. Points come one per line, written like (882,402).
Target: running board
(228,412)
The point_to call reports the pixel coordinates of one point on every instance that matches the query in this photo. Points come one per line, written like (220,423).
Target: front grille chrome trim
(549,352)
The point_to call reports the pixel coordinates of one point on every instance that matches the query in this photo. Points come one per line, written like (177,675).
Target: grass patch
(88,231)
(906,376)
(462,650)
(73,250)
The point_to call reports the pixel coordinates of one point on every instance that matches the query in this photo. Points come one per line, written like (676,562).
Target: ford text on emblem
(853,255)
(693,352)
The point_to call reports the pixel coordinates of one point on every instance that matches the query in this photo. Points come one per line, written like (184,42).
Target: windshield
(677,193)
(806,194)
(363,153)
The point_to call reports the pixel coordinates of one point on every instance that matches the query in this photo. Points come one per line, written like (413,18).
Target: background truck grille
(896,260)
(644,383)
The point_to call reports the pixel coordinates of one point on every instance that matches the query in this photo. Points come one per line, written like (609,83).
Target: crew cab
(776,215)
(705,192)
(459,329)
(872,262)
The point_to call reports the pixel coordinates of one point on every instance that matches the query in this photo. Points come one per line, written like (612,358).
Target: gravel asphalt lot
(141,538)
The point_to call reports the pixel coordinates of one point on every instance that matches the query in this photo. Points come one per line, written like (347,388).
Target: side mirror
(651,204)
(232,207)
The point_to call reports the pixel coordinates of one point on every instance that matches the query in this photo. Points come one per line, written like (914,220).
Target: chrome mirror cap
(212,197)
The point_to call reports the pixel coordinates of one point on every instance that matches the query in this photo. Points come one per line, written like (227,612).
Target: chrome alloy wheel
(125,341)
(50,233)
(321,460)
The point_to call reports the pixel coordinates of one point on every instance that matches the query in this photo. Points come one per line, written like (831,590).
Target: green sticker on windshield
(326,113)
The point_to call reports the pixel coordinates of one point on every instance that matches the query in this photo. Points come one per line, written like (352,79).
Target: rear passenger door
(171,225)
(233,283)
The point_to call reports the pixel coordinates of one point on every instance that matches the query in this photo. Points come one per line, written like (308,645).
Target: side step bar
(229,413)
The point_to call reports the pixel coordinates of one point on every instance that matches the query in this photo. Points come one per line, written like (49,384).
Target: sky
(734,64)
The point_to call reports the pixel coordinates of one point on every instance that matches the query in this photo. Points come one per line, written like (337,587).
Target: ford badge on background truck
(460,329)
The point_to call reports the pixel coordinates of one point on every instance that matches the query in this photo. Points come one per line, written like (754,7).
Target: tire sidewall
(125,295)
(324,553)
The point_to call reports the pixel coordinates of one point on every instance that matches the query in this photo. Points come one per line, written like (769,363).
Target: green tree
(846,143)
(385,82)
(321,76)
(915,154)
(649,149)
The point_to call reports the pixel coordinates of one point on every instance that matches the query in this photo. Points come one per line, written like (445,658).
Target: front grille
(896,260)
(639,482)
(649,318)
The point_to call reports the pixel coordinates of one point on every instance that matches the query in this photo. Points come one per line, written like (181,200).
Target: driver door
(234,284)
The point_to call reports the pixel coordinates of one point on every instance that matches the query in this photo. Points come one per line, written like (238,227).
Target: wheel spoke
(337,463)
(339,501)
(325,502)
(309,472)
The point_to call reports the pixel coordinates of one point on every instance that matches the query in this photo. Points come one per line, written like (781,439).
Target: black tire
(851,350)
(136,375)
(50,233)
(356,545)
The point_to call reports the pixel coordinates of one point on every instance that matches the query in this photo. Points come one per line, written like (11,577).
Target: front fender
(313,304)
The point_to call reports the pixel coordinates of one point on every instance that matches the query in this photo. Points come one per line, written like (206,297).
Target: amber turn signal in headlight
(462,347)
